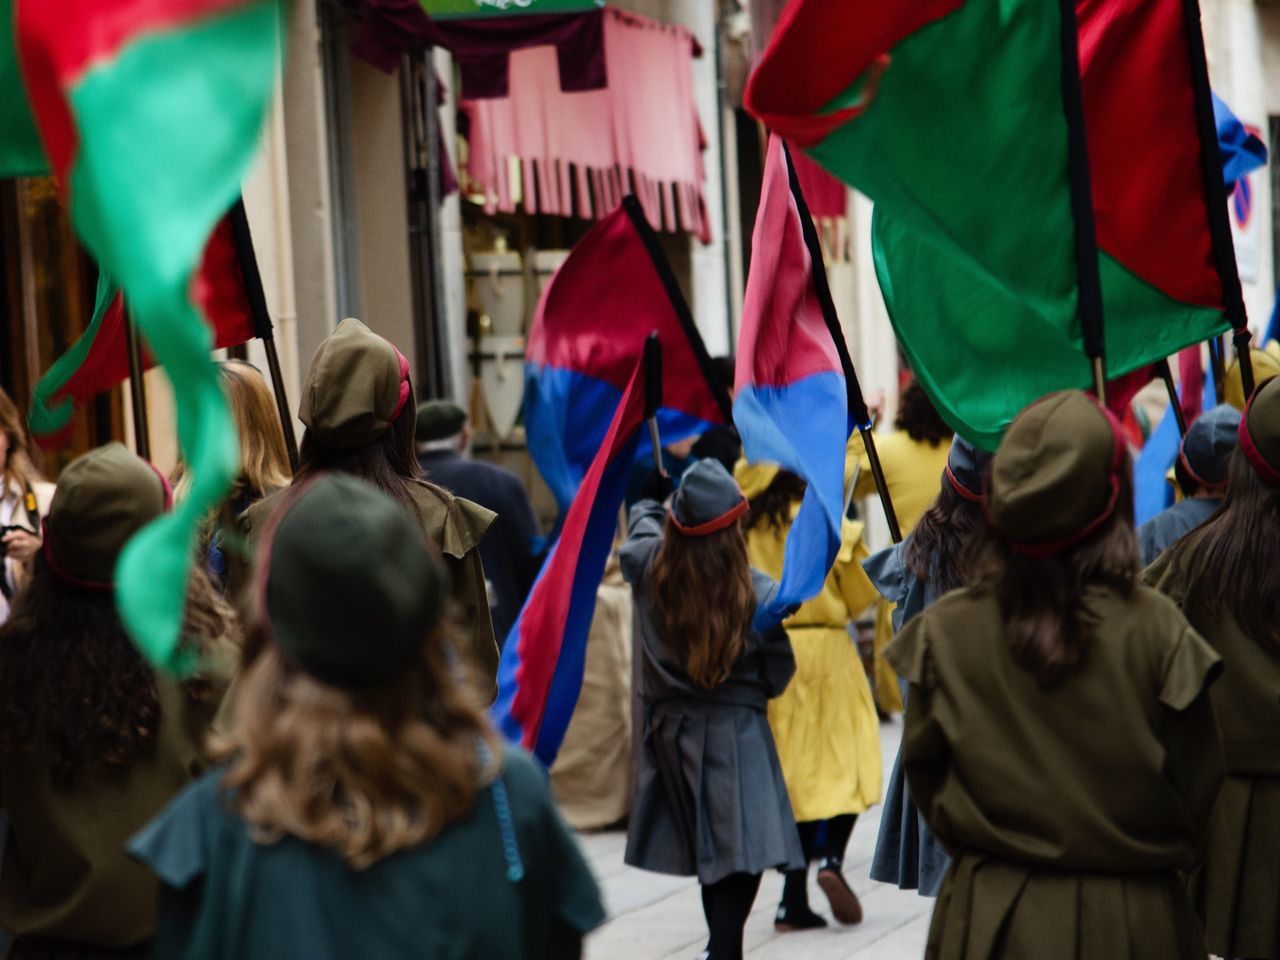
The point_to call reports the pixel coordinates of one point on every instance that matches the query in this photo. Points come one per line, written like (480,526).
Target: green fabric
(227,897)
(345,565)
(21,154)
(1019,780)
(1054,474)
(102,499)
(352,388)
(474,9)
(167,128)
(45,419)
(439,420)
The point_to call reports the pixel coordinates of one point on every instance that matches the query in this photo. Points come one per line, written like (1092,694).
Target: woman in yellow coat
(825,722)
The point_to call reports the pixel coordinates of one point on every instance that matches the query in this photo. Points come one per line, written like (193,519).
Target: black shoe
(801,918)
(844,902)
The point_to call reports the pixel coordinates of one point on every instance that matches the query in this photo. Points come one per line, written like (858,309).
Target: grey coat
(710,799)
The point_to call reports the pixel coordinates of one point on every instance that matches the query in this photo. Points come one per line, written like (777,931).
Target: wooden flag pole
(137,389)
(262,321)
(857,404)
(1166,374)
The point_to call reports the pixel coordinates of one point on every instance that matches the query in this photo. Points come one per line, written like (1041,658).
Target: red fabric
(580,153)
(784,335)
(220,295)
(851,39)
(824,195)
(59,39)
(1191,376)
(600,306)
(1144,147)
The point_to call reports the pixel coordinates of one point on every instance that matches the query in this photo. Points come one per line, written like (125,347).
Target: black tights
(795,891)
(726,904)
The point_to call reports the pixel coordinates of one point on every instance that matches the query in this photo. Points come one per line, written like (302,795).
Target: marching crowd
(1089,767)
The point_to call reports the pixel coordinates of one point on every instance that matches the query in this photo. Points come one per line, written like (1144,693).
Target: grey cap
(967,468)
(708,500)
(1207,447)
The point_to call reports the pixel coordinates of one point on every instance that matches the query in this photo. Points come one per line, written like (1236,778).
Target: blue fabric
(1242,152)
(907,853)
(566,417)
(1273,325)
(803,427)
(1152,493)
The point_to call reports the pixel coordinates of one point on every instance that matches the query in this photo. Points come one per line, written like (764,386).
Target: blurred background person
(824,723)
(24,501)
(93,742)
(511,549)
(365,807)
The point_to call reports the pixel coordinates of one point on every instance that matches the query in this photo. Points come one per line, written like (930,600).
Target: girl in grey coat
(710,798)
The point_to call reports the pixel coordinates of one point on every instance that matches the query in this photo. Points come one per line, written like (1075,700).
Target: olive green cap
(1265,366)
(1260,432)
(357,385)
(1056,476)
(350,588)
(439,420)
(103,498)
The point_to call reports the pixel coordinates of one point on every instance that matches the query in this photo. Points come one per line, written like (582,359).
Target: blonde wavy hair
(18,465)
(365,772)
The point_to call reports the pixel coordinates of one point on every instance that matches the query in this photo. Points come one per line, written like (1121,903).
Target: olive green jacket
(1068,809)
(456,527)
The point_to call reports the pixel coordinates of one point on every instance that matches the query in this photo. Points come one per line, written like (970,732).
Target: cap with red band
(1056,478)
(1260,432)
(708,500)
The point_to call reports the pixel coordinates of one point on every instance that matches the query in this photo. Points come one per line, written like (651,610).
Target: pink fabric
(639,135)
(1191,374)
(824,195)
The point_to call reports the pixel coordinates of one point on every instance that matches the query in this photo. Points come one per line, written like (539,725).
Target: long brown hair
(1234,565)
(365,772)
(772,508)
(1041,599)
(936,550)
(18,465)
(72,681)
(703,599)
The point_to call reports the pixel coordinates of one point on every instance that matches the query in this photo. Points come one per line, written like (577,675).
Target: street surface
(655,917)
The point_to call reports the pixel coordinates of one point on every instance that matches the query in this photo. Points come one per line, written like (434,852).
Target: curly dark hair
(938,543)
(918,417)
(772,508)
(72,682)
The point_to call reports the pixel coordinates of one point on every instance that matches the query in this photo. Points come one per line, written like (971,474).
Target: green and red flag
(148,112)
(953,116)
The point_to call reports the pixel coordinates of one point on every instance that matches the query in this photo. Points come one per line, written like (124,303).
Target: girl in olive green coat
(1060,740)
(1226,577)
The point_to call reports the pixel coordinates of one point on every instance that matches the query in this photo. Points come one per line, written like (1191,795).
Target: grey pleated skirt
(710,799)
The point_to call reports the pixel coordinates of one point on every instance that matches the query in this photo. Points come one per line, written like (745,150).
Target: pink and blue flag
(791,399)
(540,673)
(591,323)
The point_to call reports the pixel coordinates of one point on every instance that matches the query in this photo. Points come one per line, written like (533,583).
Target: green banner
(457,9)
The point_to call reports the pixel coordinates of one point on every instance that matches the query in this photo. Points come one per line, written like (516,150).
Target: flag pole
(257,297)
(137,389)
(1224,254)
(1088,278)
(659,260)
(653,395)
(857,404)
(1166,374)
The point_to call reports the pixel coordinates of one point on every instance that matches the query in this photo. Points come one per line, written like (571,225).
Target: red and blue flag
(591,323)
(791,395)
(540,673)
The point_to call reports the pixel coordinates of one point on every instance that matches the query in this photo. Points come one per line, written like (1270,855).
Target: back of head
(350,690)
(1234,564)
(70,678)
(1205,452)
(17,462)
(440,424)
(700,580)
(264,461)
(919,418)
(941,537)
(1060,519)
(357,405)
(772,493)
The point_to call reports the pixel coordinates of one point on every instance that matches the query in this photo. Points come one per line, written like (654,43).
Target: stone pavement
(654,917)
